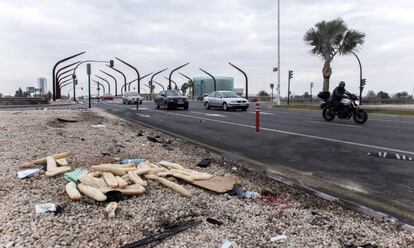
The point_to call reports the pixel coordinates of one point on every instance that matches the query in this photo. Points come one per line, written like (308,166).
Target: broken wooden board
(217,184)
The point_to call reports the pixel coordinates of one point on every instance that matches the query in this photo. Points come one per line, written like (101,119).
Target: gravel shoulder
(28,135)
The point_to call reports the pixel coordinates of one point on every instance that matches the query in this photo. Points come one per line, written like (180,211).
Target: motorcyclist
(338,94)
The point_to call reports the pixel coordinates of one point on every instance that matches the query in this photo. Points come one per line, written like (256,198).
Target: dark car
(171,99)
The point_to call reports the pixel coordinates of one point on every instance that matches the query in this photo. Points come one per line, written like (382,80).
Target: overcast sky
(156,34)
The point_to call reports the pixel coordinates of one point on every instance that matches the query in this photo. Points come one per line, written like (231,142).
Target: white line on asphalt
(201,113)
(334,124)
(216,115)
(262,113)
(300,134)
(146,116)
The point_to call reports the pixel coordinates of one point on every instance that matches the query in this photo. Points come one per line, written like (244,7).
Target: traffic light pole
(361,86)
(290,75)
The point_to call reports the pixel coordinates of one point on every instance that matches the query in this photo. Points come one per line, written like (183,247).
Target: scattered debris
(214,221)
(98,126)
(237,190)
(319,221)
(226,243)
(152,139)
(234,168)
(162,235)
(110,209)
(204,163)
(135,161)
(390,156)
(74,176)
(28,173)
(66,120)
(369,245)
(140,133)
(217,184)
(105,154)
(45,207)
(114,196)
(279,238)
(53,169)
(72,191)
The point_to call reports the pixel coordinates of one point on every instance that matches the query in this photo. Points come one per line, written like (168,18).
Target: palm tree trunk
(326,72)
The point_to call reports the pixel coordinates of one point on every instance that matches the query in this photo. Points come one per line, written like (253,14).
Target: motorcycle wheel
(328,114)
(360,116)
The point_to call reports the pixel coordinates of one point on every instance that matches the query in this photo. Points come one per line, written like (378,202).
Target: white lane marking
(262,113)
(139,108)
(214,115)
(334,124)
(146,116)
(300,134)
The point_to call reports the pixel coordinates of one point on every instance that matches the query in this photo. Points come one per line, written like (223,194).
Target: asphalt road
(300,145)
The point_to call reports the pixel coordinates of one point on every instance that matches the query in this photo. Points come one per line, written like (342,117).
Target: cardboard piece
(217,184)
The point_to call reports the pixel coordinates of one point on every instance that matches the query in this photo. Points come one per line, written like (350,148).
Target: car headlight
(171,100)
(357,102)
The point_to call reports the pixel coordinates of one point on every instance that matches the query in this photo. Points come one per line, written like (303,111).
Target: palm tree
(329,38)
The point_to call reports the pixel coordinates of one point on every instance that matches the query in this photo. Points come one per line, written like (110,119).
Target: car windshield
(172,93)
(229,94)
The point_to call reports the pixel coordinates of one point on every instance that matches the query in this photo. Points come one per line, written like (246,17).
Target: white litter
(28,173)
(227,243)
(46,207)
(98,126)
(279,238)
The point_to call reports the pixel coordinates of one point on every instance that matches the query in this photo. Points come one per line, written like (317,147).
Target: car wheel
(206,105)
(225,107)
(123,102)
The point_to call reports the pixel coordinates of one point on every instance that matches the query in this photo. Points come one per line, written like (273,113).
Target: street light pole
(88,71)
(214,79)
(55,91)
(152,78)
(311,86)
(116,82)
(246,79)
(192,84)
(278,51)
(169,77)
(125,81)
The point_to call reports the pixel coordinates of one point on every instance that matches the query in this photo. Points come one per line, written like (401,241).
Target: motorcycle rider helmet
(341,84)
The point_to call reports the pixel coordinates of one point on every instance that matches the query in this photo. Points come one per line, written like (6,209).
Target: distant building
(42,85)
(205,85)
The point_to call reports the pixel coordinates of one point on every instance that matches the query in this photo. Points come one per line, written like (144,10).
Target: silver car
(226,100)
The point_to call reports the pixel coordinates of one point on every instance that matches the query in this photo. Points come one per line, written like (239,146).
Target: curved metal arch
(159,84)
(214,79)
(114,78)
(152,78)
(172,81)
(125,81)
(192,84)
(104,79)
(169,77)
(246,79)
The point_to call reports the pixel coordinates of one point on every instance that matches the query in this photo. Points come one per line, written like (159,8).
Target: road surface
(299,145)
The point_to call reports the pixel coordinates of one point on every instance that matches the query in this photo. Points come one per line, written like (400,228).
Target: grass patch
(373,110)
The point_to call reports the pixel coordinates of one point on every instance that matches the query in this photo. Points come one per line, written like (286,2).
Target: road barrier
(257,117)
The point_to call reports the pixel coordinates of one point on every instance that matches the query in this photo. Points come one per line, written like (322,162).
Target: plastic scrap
(74,176)
(319,221)
(279,238)
(226,243)
(204,163)
(45,207)
(237,190)
(114,196)
(28,173)
(133,161)
(98,126)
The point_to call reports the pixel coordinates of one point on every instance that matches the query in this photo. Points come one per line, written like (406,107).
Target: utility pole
(289,77)
(278,52)
(310,97)
(88,71)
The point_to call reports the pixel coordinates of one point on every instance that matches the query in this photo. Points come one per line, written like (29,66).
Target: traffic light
(272,86)
(363,82)
(290,74)
(111,63)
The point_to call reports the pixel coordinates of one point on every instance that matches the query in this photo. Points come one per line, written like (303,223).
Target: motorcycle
(350,108)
